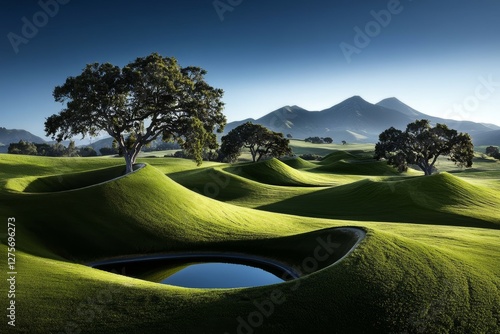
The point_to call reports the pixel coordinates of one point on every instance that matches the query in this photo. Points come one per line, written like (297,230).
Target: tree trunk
(253,153)
(130,158)
(129,162)
(426,168)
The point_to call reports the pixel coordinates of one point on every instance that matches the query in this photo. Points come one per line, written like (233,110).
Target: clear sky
(440,57)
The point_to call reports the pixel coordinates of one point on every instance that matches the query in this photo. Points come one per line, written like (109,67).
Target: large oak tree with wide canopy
(150,97)
(421,144)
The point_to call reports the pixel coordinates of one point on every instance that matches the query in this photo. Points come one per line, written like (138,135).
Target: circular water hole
(206,271)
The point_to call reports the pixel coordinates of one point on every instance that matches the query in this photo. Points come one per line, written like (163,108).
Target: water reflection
(220,275)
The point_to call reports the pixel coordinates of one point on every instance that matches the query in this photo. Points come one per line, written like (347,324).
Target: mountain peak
(390,100)
(395,104)
(356,98)
(354,102)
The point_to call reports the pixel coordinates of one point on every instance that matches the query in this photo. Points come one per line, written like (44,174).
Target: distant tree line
(51,150)
(493,152)
(207,155)
(319,140)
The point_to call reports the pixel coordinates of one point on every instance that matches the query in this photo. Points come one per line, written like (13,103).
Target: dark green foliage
(159,145)
(314,140)
(22,147)
(150,97)
(319,140)
(207,155)
(421,144)
(258,139)
(87,152)
(493,151)
(108,151)
(49,150)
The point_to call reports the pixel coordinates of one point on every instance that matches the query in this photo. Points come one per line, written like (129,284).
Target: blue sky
(440,57)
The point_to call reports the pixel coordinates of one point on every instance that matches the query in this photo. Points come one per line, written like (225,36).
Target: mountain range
(353,120)
(8,136)
(356,120)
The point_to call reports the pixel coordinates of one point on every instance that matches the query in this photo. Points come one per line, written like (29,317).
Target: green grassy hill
(275,172)
(441,199)
(299,163)
(401,278)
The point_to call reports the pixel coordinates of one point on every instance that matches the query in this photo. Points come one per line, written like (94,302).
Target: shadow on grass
(72,181)
(382,202)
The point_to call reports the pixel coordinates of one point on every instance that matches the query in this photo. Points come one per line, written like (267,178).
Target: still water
(220,275)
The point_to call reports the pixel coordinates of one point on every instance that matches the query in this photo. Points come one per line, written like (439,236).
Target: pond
(207,271)
(220,275)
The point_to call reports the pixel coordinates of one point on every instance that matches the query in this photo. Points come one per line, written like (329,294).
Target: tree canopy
(493,151)
(45,149)
(421,144)
(148,97)
(258,139)
(319,140)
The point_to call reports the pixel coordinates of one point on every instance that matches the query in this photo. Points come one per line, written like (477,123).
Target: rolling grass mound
(64,182)
(220,184)
(278,173)
(142,212)
(358,167)
(437,199)
(337,156)
(402,278)
(299,163)
(389,284)
(16,166)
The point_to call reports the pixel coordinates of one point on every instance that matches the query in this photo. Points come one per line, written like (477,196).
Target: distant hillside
(487,138)
(462,126)
(8,136)
(354,120)
(106,142)
(491,126)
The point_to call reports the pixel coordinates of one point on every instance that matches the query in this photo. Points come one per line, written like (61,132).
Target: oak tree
(150,97)
(258,139)
(421,144)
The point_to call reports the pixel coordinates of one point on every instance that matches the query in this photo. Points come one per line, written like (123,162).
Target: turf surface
(438,276)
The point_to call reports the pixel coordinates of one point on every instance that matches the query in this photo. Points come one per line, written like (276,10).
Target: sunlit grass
(420,278)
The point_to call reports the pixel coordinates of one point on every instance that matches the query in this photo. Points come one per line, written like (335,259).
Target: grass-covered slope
(390,284)
(358,168)
(64,182)
(220,184)
(437,199)
(337,156)
(401,278)
(275,172)
(144,211)
(299,163)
